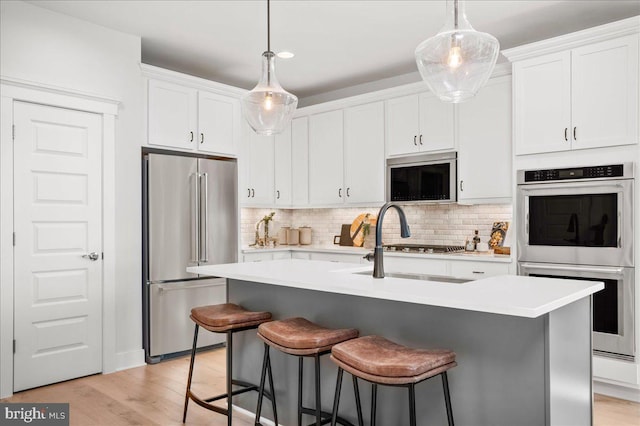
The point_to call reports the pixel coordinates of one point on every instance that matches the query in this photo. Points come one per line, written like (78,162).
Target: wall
(448,224)
(47,48)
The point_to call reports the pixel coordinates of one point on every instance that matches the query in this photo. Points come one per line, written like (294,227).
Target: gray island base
(512,370)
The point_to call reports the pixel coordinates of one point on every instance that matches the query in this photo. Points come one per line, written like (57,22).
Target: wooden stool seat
(379,360)
(227,316)
(298,336)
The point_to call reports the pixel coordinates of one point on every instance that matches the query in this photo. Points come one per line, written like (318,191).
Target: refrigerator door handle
(204,221)
(195,234)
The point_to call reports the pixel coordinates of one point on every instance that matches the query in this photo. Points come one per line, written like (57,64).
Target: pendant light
(459,60)
(268,108)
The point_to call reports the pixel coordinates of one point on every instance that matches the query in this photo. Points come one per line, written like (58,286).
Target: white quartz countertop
(479,256)
(521,296)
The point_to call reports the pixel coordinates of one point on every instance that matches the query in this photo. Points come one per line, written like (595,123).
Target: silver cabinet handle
(566,138)
(191,140)
(253,193)
(204,242)
(201,137)
(415,140)
(461,185)
(340,192)
(277,194)
(196,219)
(477,272)
(420,139)
(348,195)
(574,134)
(91,256)
(248,192)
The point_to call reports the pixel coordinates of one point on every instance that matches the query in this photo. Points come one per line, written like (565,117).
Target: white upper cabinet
(172,119)
(189,119)
(259,170)
(216,123)
(419,123)
(282,167)
(364,162)
(326,158)
(484,138)
(300,161)
(586,97)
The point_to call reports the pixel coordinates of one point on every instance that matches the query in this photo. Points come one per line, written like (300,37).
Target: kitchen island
(523,344)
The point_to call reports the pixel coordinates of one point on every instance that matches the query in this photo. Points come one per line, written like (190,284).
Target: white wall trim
(604,32)
(6,247)
(616,390)
(10,92)
(130,359)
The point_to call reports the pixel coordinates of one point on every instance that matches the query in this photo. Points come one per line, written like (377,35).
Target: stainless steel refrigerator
(190,217)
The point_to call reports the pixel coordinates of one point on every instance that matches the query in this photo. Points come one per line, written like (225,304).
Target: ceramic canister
(305,235)
(282,235)
(293,237)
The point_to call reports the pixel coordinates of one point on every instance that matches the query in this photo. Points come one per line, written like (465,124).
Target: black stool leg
(336,398)
(300,374)
(318,394)
(356,392)
(374,394)
(447,397)
(412,404)
(193,357)
(229,377)
(273,390)
(263,375)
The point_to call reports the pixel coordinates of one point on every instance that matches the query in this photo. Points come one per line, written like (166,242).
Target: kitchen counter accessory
(305,235)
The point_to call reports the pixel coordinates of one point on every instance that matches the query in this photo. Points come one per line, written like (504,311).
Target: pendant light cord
(269,26)
(455,14)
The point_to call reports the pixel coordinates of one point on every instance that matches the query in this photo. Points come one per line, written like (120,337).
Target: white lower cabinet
(336,257)
(264,256)
(415,265)
(477,270)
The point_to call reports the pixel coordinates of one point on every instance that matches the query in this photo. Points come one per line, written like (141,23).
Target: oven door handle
(617,271)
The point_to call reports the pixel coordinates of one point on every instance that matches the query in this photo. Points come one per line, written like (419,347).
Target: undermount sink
(421,277)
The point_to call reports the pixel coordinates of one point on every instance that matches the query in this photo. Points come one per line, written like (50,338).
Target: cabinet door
(436,124)
(216,123)
(282,167)
(542,97)
(260,170)
(326,158)
(484,137)
(402,124)
(364,153)
(172,118)
(605,93)
(300,161)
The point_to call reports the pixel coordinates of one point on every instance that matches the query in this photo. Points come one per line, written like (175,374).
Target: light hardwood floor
(154,395)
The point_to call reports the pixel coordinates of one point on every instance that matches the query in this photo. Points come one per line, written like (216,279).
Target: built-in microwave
(425,178)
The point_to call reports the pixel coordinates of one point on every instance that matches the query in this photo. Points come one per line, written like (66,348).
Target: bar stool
(301,338)
(381,361)
(226,318)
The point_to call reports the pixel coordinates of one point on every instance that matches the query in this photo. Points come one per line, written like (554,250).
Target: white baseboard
(617,391)
(130,359)
(250,415)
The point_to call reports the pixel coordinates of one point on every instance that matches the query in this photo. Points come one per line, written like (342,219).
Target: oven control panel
(594,172)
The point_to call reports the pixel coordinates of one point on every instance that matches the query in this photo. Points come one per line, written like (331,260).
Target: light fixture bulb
(454,60)
(268,101)
(458,61)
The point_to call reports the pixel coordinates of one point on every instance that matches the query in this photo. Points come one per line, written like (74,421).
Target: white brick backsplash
(449,224)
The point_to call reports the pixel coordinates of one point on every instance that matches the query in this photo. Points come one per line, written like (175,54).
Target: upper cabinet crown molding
(152,72)
(604,32)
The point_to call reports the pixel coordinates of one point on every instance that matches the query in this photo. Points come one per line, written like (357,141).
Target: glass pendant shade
(268,108)
(459,60)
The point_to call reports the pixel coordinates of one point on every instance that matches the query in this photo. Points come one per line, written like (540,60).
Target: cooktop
(423,248)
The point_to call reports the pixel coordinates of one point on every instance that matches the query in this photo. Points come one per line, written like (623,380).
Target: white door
(364,153)
(216,123)
(436,124)
(402,125)
(282,166)
(172,115)
(300,161)
(260,170)
(57,221)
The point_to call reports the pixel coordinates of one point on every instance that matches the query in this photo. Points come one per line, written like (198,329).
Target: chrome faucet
(378,267)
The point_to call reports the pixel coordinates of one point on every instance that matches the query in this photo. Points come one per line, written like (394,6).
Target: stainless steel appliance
(577,223)
(423,248)
(190,217)
(426,178)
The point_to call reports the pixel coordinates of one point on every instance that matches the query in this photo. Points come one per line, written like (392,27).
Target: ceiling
(337,43)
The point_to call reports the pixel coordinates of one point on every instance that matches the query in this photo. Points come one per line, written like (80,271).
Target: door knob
(91,256)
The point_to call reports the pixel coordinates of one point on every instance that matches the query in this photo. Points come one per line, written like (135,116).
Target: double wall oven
(577,223)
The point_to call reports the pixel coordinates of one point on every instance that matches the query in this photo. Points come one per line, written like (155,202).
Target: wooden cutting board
(357,232)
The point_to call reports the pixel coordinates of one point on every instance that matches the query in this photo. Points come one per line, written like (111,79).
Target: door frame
(10,91)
